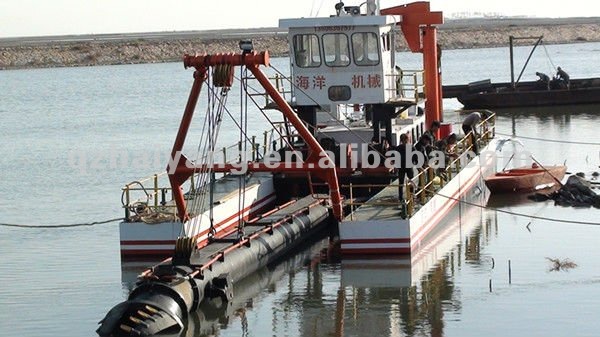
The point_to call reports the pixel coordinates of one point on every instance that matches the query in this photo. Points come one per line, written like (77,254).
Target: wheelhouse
(344,59)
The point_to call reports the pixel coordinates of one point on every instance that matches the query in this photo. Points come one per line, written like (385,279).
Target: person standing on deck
(470,125)
(405,167)
(423,146)
(563,76)
(431,133)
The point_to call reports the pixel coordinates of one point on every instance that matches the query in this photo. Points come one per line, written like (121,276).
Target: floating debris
(558,265)
(576,192)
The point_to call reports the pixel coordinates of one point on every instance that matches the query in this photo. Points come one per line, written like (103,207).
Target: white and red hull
(407,270)
(405,236)
(138,239)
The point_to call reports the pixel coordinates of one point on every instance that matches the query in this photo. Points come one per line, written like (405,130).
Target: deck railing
(154,194)
(282,85)
(424,184)
(408,84)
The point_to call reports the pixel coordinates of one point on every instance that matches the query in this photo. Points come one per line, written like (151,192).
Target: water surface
(61,126)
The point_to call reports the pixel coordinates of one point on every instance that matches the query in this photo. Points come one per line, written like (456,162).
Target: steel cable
(62,226)
(548,140)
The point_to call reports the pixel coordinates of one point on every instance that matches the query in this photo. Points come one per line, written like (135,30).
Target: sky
(62,17)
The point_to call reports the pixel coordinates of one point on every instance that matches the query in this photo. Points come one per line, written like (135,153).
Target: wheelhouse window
(337,53)
(365,49)
(307,52)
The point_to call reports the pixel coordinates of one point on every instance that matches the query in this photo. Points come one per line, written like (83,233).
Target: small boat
(502,95)
(487,95)
(526,179)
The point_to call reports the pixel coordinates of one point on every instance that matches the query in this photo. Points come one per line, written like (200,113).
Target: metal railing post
(416,87)
(457,164)
(265,142)
(422,187)
(156,190)
(430,178)
(127,213)
(442,180)
(281,141)
(351,204)
(470,137)
(410,202)
(254,156)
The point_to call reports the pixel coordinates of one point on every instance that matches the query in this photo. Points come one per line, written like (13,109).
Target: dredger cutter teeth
(138,319)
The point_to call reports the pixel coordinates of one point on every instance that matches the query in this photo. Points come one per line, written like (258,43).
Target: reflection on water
(309,294)
(420,308)
(556,112)
(503,200)
(557,117)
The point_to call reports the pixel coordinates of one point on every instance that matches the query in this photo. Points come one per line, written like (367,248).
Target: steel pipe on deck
(165,297)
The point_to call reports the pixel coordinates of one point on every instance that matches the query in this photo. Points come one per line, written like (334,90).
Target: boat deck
(383,206)
(225,188)
(252,229)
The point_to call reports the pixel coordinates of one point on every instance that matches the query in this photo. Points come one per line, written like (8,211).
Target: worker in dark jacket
(432,132)
(405,167)
(544,80)
(563,76)
(424,146)
(469,126)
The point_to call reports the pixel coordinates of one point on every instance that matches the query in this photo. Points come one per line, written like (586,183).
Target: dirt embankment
(74,54)
(18,54)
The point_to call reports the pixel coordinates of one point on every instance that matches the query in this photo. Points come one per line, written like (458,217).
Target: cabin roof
(347,20)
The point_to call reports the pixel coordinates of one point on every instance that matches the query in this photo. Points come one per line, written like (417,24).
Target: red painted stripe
(428,227)
(236,215)
(432,221)
(172,242)
(220,223)
(450,201)
(438,215)
(385,240)
(405,250)
(245,209)
(424,249)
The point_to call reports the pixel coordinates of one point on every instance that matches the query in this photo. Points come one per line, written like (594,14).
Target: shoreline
(138,48)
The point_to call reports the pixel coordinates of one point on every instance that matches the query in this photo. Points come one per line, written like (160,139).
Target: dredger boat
(234,210)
